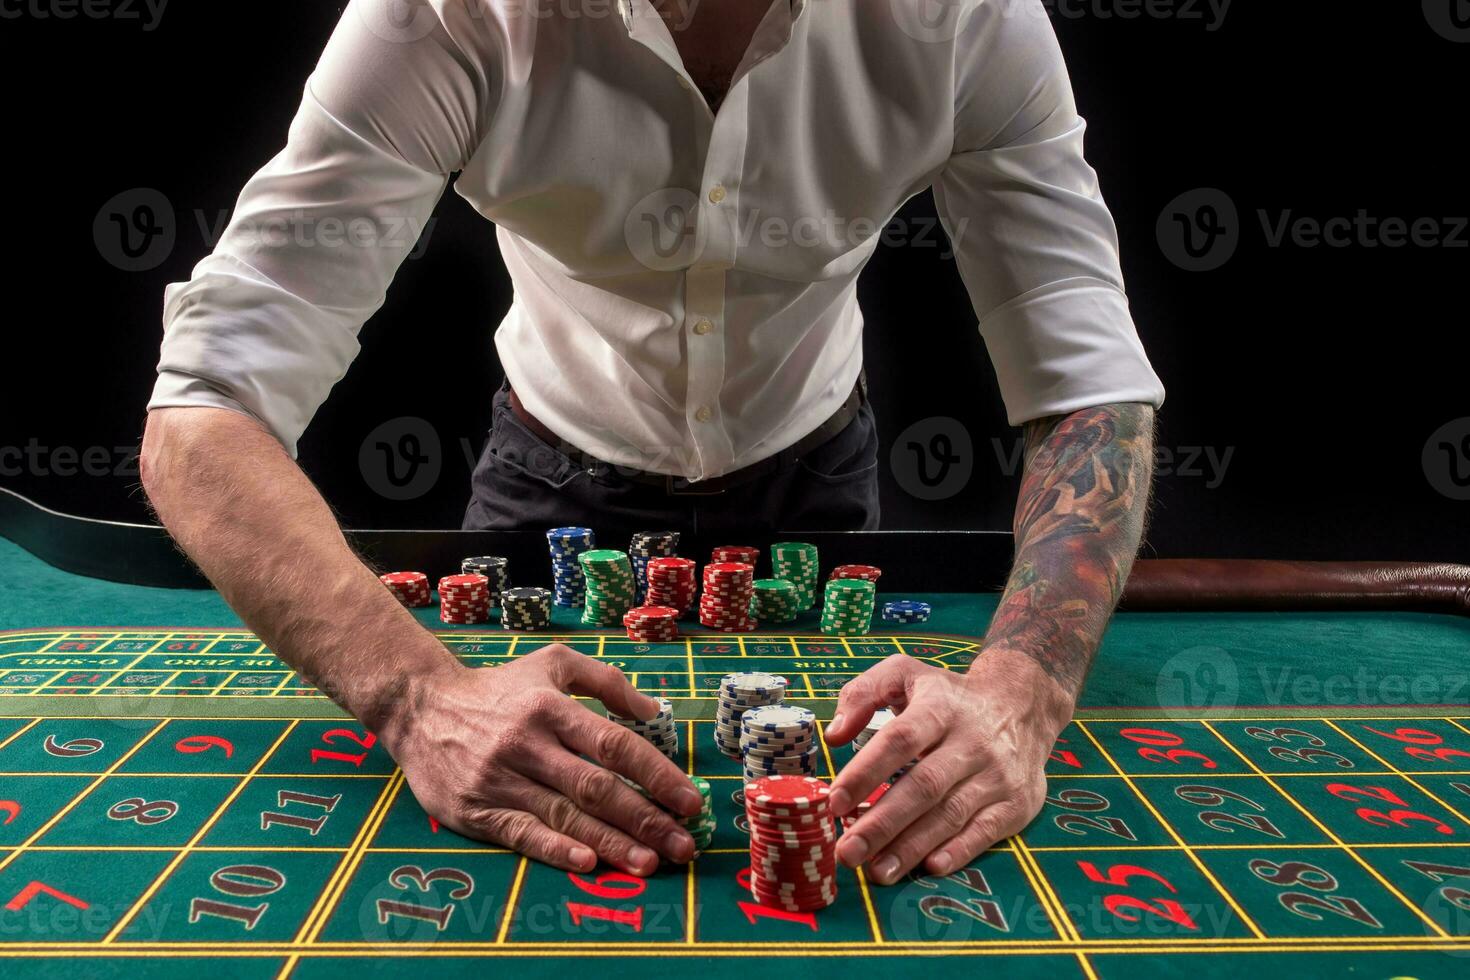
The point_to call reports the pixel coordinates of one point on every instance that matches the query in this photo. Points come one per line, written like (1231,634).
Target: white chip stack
(778,740)
(659,730)
(738,694)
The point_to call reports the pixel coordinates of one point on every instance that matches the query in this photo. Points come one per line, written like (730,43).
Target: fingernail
(582,857)
(679,846)
(839,801)
(886,869)
(836,721)
(854,851)
(941,862)
(642,859)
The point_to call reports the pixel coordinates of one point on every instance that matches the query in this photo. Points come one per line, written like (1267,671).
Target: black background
(1323,371)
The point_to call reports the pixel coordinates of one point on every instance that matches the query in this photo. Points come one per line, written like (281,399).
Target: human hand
(982,740)
(494,754)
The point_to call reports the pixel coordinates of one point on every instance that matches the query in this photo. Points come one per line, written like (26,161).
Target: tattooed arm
(982,738)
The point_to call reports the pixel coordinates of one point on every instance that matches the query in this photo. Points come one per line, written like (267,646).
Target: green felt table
(1277,793)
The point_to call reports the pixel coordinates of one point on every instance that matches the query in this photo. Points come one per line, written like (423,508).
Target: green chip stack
(797,563)
(701,826)
(610,586)
(847,606)
(776,600)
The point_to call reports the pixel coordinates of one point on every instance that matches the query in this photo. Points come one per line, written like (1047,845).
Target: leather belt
(677,485)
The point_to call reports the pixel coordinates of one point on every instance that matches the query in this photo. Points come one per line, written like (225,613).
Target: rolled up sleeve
(268,322)
(1034,242)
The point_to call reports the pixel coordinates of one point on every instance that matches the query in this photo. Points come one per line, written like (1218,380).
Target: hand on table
(494,754)
(982,739)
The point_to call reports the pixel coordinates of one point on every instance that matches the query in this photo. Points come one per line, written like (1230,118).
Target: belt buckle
(671,488)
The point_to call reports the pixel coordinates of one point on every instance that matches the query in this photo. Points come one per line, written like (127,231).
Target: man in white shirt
(655,174)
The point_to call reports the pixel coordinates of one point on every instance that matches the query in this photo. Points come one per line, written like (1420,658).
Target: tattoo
(1079,520)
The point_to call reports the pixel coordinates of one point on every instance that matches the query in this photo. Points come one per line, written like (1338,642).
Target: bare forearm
(1080,517)
(242,509)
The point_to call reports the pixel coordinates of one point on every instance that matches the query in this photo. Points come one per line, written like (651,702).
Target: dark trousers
(523,483)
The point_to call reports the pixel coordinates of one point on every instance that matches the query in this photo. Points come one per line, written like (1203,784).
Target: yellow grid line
(169,868)
(21,731)
(858,872)
(1188,850)
(1328,831)
(120,672)
(1397,771)
(1045,894)
(510,903)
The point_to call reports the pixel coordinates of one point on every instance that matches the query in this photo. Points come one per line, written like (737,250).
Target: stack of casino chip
(875,725)
(495,569)
(847,606)
(566,544)
(701,826)
(868,573)
(906,611)
(646,546)
(793,843)
(777,600)
(744,554)
(659,730)
(738,694)
(609,586)
(409,588)
(778,740)
(866,805)
(527,609)
(798,564)
(671,583)
(652,624)
(725,602)
(464,599)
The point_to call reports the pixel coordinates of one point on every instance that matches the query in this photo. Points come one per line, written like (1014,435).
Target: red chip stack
(744,554)
(671,583)
(725,603)
(409,588)
(464,599)
(652,624)
(793,843)
(868,573)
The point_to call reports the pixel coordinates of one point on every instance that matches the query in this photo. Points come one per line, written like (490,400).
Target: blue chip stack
(778,740)
(646,546)
(566,544)
(738,694)
(906,611)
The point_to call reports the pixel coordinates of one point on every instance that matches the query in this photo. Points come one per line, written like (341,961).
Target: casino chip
(743,554)
(646,546)
(496,571)
(865,805)
(875,725)
(778,739)
(527,609)
(738,694)
(464,599)
(652,624)
(906,611)
(671,583)
(798,564)
(609,586)
(566,544)
(847,606)
(701,826)
(659,730)
(793,842)
(409,588)
(868,573)
(725,603)
(776,600)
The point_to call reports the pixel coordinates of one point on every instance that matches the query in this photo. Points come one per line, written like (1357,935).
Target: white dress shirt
(684,281)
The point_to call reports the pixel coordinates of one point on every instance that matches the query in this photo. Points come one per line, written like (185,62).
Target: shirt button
(717,193)
(703,327)
(704,414)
